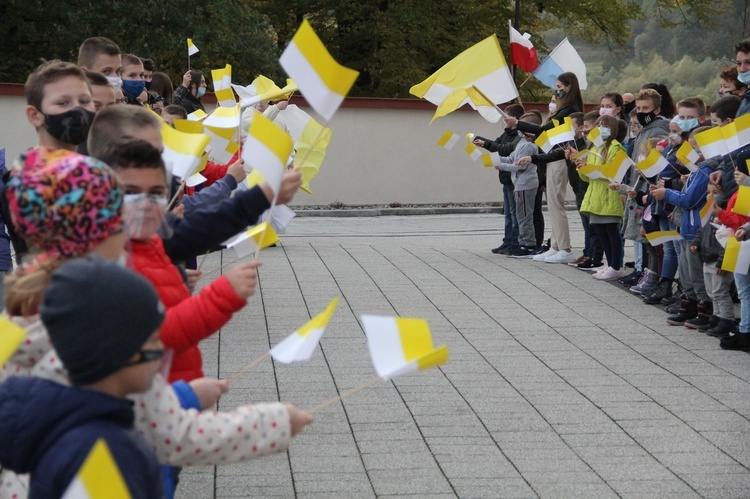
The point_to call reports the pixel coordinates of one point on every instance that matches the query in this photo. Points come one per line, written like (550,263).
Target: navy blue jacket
(49,429)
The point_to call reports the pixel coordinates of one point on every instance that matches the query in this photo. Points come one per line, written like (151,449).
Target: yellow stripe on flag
(705,212)
(192,49)
(543,142)
(99,476)
(595,137)
(415,337)
(659,237)
(254,178)
(320,320)
(188,126)
(736,256)
(225,97)
(274,138)
(11,336)
(263,235)
(434,358)
(653,164)
(742,203)
(560,134)
(446,137)
(711,143)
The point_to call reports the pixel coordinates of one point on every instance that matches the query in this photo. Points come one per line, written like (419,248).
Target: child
(601,203)
(690,200)
(133,79)
(691,113)
(173,112)
(102,55)
(102,91)
(103,321)
(525,185)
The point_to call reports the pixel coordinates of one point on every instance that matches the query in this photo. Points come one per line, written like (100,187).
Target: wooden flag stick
(203,260)
(223,266)
(248,368)
(174,198)
(524,81)
(367,384)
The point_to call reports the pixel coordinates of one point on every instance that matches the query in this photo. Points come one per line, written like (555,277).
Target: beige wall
(376,157)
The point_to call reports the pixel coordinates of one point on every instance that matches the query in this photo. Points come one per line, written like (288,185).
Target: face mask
(133,88)
(559,93)
(606,111)
(148,85)
(70,127)
(552,107)
(687,125)
(116,82)
(627,107)
(744,77)
(142,214)
(201,92)
(645,118)
(718,197)
(605,132)
(675,138)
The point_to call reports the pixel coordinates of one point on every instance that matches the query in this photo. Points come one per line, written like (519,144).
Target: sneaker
(509,250)
(499,249)
(609,274)
(561,257)
(590,265)
(539,250)
(722,329)
(522,252)
(740,341)
(581,259)
(631,279)
(601,269)
(543,256)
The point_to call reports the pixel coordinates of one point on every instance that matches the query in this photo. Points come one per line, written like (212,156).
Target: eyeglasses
(146,356)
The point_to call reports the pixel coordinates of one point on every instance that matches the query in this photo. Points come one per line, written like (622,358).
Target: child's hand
(237,170)
(632,193)
(298,418)
(719,271)
(243,279)
(524,161)
(740,234)
(282,105)
(186,79)
(193,276)
(479,142)
(693,249)
(209,390)
(740,177)
(614,186)
(684,178)
(658,193)
(644,199)
(178,211)
(510,122)
(715,177)
(290,182)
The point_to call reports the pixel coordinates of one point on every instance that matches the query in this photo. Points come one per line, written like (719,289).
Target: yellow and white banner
(301,344)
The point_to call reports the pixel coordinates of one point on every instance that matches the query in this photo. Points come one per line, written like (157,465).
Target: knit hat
(98,315)
(64,203)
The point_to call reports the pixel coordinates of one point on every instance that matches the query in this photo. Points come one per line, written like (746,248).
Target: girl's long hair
(25,287)
(572,97)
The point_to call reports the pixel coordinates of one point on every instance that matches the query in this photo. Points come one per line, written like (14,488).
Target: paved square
(557,385)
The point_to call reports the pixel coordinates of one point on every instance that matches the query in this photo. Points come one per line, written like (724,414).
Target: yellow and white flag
(401,346)
(742,126)
(188,126)
(182,151)
(654,164)
(742,203)
(301,344)
(311,140)
(592,171)
(731,138)
(225,97)
(688,156)
(11,336)
(248,242)
(197,115)
(705,212)
(224,117)
(595,137)
(582,154)
(323,81)
(482,66)
(192,49)
(544,143)
(736,256)
(473,152)
(659,237)
(711,143)
(491,159)
(448,140)
(615,170)
(222,78)
(98,477)
(561,134)
(267,149)
(222,145)
(263,89)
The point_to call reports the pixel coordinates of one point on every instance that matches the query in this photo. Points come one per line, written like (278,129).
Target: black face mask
(645,118)
(626,108)
(70,127)
(148,85)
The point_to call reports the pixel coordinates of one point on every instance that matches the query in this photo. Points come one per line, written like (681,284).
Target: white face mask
(116,82)
(552,107)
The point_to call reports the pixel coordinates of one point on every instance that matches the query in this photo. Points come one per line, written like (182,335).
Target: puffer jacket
(600,199)
(189,319)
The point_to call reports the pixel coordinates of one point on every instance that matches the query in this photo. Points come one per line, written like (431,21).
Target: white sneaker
(542,256)
(561,257)
(601,269)
(610,274)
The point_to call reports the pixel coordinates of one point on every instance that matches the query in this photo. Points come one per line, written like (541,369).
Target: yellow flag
(98,477)
(11,336)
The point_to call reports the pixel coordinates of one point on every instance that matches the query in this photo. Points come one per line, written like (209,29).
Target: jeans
(671,256)
(638,252)
(511,221)
(743,290)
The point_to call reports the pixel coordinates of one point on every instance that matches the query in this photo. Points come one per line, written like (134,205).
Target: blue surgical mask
(718,197)
(744,77)
(604,132)
(133,88)
(201,92)
(687,125)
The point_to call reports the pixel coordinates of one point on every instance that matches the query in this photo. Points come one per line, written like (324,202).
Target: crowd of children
(685,273)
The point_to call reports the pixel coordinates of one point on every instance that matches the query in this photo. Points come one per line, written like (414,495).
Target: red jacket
(730,219)
(213,173)
(189,318)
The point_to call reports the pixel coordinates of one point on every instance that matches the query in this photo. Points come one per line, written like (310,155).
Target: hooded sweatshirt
(49,429)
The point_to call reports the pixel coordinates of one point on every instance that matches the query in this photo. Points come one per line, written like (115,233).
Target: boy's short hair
(148,64)
(176,110)
(112,122)
(92,47)
(97,79)
(726,107)
(591,116)
(46,73)
(514,110)
(130,59)
(577,117)
(534,111)
(132,153)
(693,103)
(743,46)
(531,117)
(649,94)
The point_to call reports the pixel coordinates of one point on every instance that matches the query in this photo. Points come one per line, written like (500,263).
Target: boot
(723,328)
(688,310)
(702,320)
(712,322)
(675,293)
(740,341)
(646,284)
(662,290)
(631,279)
(675,306)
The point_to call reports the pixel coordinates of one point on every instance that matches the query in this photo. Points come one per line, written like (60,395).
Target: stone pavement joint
(557,385)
